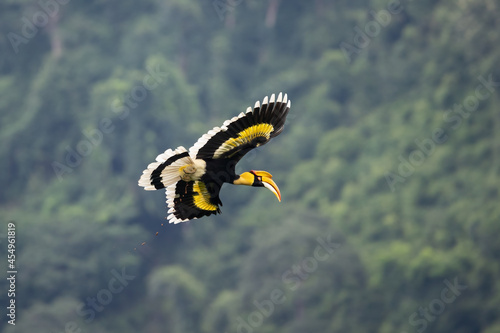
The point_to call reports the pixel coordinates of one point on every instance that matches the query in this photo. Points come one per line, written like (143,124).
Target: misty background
(389,165)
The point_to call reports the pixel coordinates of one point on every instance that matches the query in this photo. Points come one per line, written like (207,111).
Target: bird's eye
(259,178)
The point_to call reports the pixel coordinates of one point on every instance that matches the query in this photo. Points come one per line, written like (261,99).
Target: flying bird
(193,178)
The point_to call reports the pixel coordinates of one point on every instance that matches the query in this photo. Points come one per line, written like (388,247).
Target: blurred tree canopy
(391,152)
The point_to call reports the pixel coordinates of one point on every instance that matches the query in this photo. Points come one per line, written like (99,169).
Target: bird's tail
(170,167)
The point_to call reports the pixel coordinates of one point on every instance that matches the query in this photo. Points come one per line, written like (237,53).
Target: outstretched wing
(239,135)
(191,200)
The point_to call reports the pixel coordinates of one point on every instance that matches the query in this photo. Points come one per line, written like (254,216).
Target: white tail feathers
(166,170)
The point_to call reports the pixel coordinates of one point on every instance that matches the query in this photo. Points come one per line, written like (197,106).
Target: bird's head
(259,179)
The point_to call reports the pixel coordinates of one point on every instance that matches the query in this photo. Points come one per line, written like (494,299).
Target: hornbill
(193,178)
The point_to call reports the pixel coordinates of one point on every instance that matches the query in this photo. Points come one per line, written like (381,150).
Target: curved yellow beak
(269,183)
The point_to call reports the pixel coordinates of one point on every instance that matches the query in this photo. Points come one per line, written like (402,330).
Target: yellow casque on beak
(268,182)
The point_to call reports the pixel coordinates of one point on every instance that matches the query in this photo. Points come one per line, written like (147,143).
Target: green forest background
(389,165)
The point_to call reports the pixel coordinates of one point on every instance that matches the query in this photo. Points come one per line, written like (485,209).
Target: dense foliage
(389,165)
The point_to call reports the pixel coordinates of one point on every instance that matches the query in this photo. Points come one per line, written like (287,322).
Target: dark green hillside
(389,165)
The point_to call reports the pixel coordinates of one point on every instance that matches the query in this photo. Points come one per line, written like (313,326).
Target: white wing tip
(280,98)
(265,101)
(172,219)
